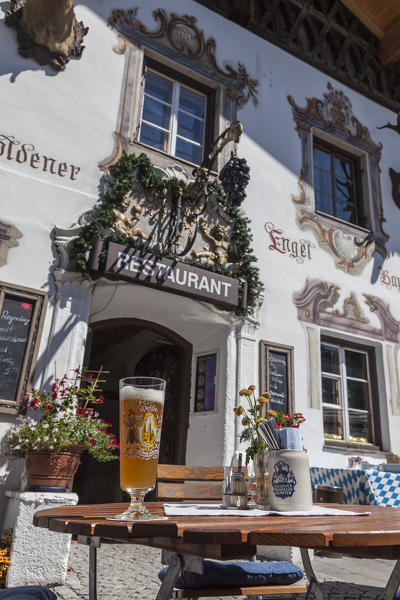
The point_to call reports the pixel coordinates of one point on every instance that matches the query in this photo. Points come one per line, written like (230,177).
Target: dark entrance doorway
(127,347)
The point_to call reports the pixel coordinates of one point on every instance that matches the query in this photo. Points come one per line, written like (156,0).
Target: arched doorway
(127,347)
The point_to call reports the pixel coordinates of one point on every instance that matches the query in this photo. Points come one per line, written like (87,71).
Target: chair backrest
(180,483)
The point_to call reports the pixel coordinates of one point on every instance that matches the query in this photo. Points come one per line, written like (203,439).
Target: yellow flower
(245,421)
(238,411)
(267,395)
(262,399)
(260,420)
(273,413)
(243,393)
(252,388)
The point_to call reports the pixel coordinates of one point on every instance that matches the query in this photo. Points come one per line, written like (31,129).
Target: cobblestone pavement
(128,572)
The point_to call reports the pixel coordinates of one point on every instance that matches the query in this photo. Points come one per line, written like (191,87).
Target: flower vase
(260,464)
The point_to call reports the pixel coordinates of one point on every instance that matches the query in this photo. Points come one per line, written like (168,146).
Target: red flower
(48,409)
(54,396)
(100,399)
(91,441)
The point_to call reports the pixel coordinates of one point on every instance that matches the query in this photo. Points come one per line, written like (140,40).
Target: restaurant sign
(171,276)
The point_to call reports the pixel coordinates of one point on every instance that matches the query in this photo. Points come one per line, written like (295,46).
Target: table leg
(176,563)
(393,583)
(93,543)
(314,584)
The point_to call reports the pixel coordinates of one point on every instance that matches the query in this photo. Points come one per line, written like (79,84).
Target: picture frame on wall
(277,375)
(205,387)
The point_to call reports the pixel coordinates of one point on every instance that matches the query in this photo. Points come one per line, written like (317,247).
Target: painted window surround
(331,120)
(137,46)
(321,318)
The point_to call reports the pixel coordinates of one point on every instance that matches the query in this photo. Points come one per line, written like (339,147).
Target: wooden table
(185,539)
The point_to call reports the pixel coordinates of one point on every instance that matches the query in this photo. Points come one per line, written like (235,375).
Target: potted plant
(68,424)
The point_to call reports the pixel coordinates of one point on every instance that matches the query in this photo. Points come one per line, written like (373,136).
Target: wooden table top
(376,534)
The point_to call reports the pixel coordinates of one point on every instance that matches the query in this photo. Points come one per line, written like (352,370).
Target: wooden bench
(186,483)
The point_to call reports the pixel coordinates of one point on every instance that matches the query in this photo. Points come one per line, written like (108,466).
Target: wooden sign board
(277,375)
(172,276)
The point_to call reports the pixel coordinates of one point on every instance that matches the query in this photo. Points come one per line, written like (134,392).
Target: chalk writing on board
(15,323)
(278,379)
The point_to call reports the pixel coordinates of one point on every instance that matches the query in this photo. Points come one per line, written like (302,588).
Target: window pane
(205,383)
(154,137)
(192,103)
(343,168)
(322,159)
(356,364)
(357,394)
(330,391)
(323,181)
(190,128)
(333,423)
(329,359)
(324,203)
(156,112)
(158,87)
(359,427)
(188,151)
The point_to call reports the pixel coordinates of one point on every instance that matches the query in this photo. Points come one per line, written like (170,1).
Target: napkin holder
(289,481)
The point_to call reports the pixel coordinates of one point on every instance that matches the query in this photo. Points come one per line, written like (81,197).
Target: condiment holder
(234,490)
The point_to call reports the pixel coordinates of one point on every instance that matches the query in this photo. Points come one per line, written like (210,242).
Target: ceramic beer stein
(289,481)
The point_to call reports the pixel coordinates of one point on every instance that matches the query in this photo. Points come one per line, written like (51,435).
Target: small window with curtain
(337,184)
(347,394)
(206,373)
(176,114)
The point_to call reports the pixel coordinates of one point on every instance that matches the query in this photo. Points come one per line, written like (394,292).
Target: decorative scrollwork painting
(182,35)
(352,246)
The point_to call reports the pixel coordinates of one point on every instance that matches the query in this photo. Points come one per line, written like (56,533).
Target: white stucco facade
(71,116)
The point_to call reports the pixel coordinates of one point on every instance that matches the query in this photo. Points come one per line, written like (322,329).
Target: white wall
(71,116)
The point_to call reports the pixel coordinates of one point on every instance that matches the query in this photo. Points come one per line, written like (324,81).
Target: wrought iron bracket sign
(171,276)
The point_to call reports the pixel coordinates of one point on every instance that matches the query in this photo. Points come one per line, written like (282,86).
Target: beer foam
(130,392)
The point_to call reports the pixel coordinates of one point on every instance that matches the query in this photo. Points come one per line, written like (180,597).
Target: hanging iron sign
(172,276)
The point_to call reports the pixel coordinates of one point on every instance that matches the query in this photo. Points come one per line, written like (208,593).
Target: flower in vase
(253,414)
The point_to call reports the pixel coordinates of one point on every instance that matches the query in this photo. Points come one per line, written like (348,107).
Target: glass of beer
(141,403)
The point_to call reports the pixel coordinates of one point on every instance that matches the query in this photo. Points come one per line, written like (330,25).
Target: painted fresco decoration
(317,303)
(389,280)
(165,213)
(9,235)
(298,249)
(351,247)
(49,34)
(391,126)
(395,179)
(25,153)
(181,35)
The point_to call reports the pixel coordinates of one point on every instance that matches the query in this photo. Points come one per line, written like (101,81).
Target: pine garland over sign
(131,168)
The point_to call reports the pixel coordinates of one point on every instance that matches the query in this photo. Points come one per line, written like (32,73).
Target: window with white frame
(337,183)
(347,393)
(176,116)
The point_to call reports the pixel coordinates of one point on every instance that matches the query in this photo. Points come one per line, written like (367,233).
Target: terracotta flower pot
(47,470)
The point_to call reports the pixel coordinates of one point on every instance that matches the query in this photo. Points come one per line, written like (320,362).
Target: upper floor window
(175,115)
(347,394)
(337,184)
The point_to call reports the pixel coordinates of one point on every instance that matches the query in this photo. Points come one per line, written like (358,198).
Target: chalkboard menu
(20,316)
(15,324)
(277,375)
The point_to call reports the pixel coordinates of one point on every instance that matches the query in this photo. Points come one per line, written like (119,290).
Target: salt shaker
(226,487)
(239,487)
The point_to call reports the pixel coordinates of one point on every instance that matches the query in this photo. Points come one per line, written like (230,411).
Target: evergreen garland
(121,181)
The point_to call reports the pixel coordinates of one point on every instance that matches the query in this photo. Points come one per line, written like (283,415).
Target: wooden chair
(185,483)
